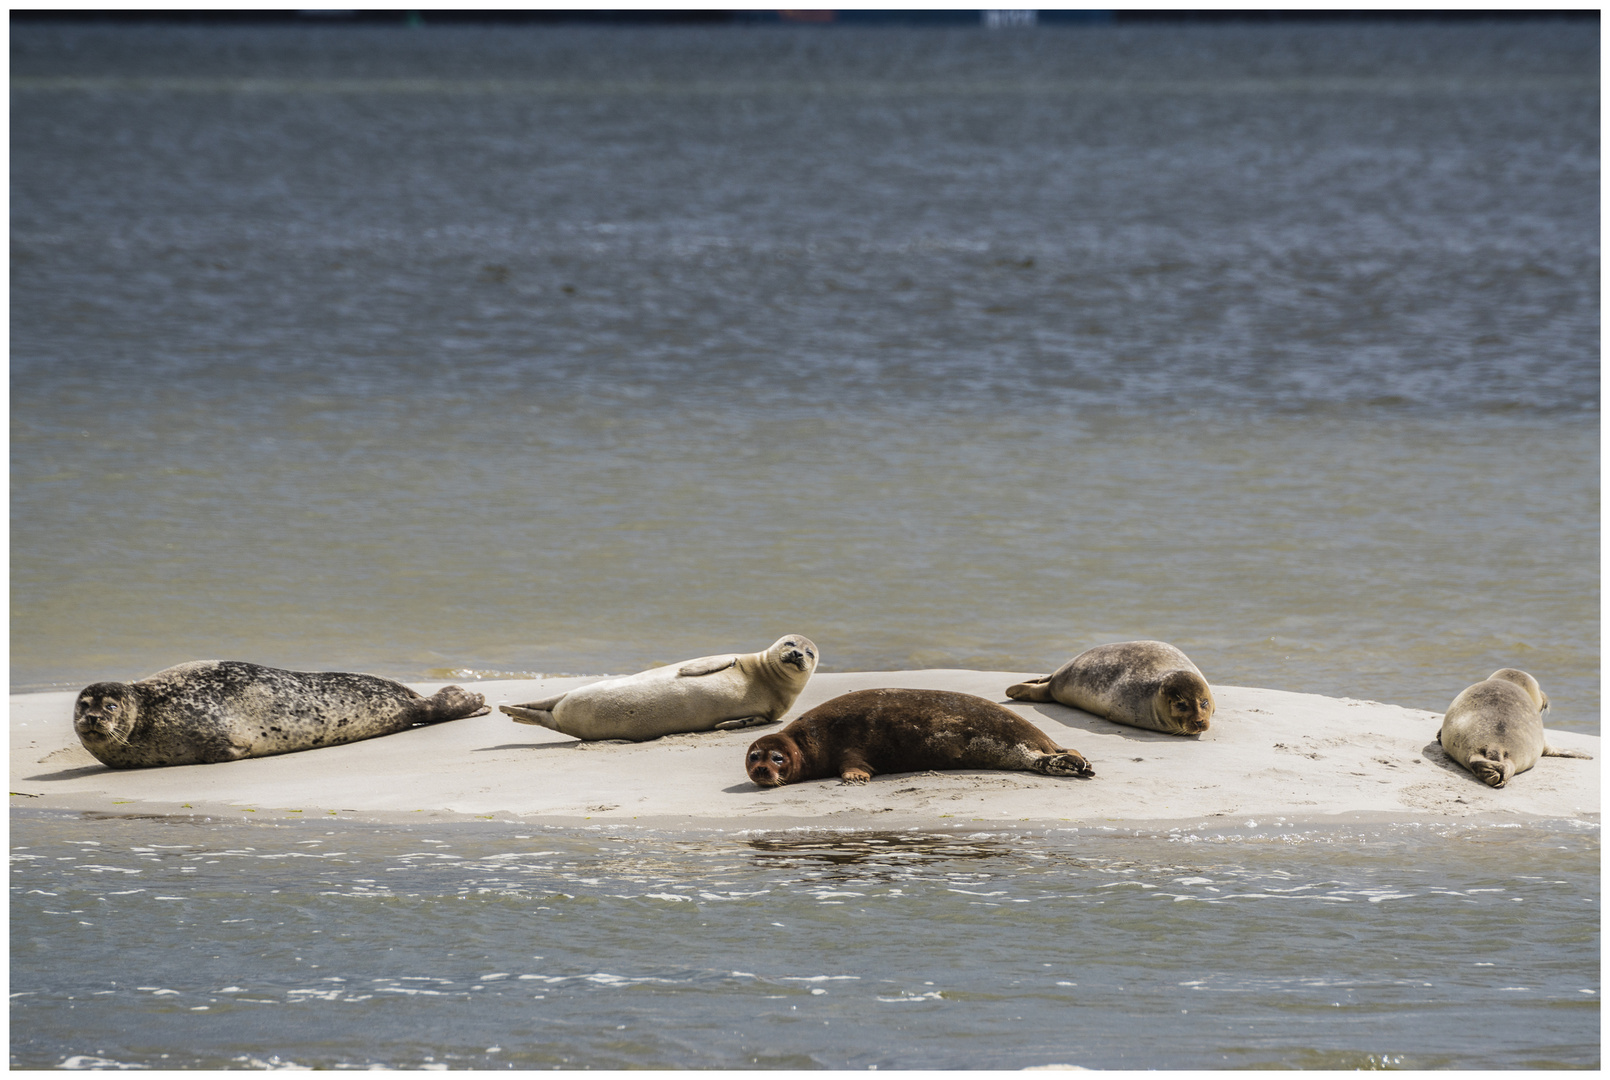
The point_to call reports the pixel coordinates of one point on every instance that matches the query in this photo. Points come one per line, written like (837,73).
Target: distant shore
(1269,755)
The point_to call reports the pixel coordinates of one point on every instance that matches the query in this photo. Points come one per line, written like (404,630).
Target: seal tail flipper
(1549,751)
(1493,771)
(1063,763)
(530,714)
(454,703)
(1033,690)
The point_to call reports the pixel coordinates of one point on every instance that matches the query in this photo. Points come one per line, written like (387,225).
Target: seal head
(1184,703)
(797,652)
(106,714)
(774,760)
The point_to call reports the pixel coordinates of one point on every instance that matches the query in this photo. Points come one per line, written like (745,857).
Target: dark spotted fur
(223,710)
(859,735)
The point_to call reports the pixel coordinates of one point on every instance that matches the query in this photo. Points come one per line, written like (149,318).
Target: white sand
(1299,757)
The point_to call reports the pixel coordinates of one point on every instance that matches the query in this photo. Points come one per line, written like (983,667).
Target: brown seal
(222,710)
(858,735)
(1146,684)
(1494,728)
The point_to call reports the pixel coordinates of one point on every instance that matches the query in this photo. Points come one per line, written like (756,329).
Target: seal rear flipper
(1490,771)
(1066,763)
(1033,690)
(1549,751)
(526,714)
(454,703)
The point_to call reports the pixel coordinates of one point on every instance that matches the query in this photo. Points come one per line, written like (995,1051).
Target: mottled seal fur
(223,710)
(1495,727)
(1146,684)
(855,736)
(733,690)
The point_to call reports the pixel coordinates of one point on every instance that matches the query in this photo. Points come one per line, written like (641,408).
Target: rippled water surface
(567,349)
(189,943)
(571,349)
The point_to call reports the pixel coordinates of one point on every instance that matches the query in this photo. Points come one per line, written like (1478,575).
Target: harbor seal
(1495,727)
(1145,684)
(855,736)
(222,710)
(711,693)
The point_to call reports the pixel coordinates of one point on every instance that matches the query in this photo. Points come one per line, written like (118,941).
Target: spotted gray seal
(1146,684)
(857,735)
(222,710)
(1494,728)
(711,693)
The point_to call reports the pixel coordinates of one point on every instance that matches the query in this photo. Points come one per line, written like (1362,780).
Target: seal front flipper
(1033,690)
(527,714)
(742,722)
(707,665)
(854,767)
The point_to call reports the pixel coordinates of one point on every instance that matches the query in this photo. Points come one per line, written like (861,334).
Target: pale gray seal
(1146,684)
(857,735)
(222,710)
(1495,727)
(734,690)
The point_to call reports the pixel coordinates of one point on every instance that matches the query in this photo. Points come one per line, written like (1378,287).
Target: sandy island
(1300,757)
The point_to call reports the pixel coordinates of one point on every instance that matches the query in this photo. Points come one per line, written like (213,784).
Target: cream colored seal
(712,693)
(1495,728)
(1146,684)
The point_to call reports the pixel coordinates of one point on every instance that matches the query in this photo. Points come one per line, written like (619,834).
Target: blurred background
(453,346)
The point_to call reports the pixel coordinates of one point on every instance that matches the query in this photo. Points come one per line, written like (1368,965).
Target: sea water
(460,352)
(187,943)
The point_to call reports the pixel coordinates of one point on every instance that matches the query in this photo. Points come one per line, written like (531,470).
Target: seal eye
(755,756)
(111,706)
(777,759)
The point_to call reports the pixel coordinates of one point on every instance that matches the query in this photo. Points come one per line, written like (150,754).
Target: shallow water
(577,350)
(944,347)
(193,943)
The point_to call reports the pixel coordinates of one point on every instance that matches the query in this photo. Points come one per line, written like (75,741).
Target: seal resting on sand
(712,693)
(1145,684)
(1495,728)
(223,710)
(858,735)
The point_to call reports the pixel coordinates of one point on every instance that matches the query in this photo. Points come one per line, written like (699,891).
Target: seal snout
(93,726)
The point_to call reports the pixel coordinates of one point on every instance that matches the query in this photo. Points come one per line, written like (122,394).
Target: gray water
(183,943)
(475,351)
(466,352)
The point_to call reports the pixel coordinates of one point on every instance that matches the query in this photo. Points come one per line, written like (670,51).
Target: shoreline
(1271,758)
